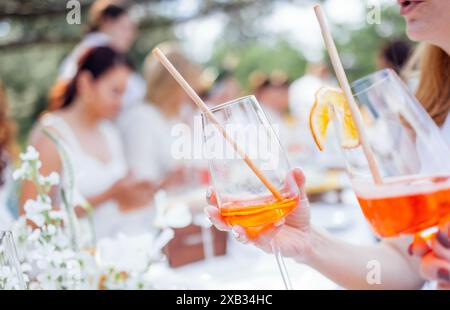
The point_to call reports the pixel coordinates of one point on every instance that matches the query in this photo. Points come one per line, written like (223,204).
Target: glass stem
(281,265)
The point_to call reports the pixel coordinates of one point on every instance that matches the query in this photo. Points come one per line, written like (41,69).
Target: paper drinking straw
(204,108)
(343,81)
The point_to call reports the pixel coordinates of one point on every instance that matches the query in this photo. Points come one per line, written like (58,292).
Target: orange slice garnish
(331,102)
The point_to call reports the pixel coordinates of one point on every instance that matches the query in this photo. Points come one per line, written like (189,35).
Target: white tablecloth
(246,267)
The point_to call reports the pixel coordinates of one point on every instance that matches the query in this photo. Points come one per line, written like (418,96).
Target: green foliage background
(28,70)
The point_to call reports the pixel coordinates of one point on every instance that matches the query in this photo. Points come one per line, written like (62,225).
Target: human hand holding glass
(411,155)
(292,233)
(242,200)
(247,184)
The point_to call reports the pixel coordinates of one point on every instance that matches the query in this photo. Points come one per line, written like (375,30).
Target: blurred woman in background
(8,150)
(110,24)
(302,92)
(394,54)
(88,104)
(225,88)
(272,91)
(146,127)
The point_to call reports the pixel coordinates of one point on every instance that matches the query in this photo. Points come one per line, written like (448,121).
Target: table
(246,267)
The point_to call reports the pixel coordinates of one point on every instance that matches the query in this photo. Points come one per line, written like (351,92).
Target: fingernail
(235,234)
(410,250)
(443,239)
(207,215)
(443,274)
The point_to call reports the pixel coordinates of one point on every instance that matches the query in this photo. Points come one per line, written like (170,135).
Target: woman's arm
(51,162)
(347,264)
(386,265)
(128,192)
(101,198)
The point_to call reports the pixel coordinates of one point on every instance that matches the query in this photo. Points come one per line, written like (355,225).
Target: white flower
(34,209)
(50,180)
(74,269)
(26,279)
(17,174)
(25,267)
(53,178)
(61,241)
(45,251)
(5,272)
(33,206)
(51,229)
(56,214)
(35,235)
(125,252)
(73,264)
(24,172)
(30,155)
(42,264)
(37,219)
(45,200)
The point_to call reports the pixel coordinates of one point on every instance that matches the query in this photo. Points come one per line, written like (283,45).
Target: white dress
(93,177)
(302,95)
(6,218)
(146,135)
(445,130)
(6,190)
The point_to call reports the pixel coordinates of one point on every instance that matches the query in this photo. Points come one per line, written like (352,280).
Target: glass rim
(5,233)
(230,103)
(378,77)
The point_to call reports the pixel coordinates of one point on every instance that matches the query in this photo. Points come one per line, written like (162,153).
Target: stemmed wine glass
(11,277)
(410,153)
(242,198)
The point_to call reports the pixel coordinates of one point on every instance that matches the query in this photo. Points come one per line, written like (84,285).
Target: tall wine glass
(410,153)
(242,198)
(12,277)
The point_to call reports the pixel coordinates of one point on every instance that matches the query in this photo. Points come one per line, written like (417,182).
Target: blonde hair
(434,85)
(160,84)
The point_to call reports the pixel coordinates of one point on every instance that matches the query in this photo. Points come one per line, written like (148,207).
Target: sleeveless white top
(92,176)
(445,129)
(6,218)
(146,134)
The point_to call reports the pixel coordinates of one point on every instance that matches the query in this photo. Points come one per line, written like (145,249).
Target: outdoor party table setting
(342,183)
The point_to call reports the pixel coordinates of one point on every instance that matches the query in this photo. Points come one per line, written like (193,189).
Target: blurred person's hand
(131,193)
(435,256)
(292,234)
(175,178)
